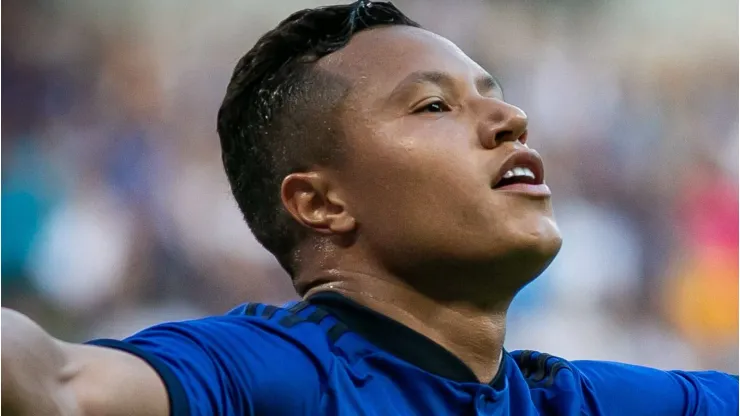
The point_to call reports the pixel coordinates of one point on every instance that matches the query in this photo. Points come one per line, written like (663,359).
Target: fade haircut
(280,114)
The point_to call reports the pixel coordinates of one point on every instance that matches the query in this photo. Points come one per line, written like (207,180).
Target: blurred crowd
(116,213)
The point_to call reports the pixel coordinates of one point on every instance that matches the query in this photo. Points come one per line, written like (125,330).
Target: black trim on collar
(400,340)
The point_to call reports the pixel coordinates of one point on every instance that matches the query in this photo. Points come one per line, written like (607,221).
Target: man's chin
(538,254)
(522,263)
(543,241)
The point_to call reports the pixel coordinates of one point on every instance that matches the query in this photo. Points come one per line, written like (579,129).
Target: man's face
(429,136)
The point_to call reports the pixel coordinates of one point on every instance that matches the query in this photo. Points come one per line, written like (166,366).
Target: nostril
(523,137)
(510,136)
(503,136)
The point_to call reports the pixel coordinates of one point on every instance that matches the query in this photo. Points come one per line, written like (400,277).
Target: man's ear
(310,199)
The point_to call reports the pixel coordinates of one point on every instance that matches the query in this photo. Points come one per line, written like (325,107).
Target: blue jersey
(331,356)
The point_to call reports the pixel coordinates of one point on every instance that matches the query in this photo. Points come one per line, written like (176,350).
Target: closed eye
(436,106)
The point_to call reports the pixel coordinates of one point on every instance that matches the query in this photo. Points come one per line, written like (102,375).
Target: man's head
(349,131)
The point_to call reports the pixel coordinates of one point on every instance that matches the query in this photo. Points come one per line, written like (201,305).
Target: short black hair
(279,113)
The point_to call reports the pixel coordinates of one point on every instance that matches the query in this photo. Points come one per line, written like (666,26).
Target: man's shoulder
(251,328)
(293,322)
(257,352)
(542,369)
(595,387)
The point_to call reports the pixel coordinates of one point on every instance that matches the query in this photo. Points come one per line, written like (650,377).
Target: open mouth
(523,167)
(517,175)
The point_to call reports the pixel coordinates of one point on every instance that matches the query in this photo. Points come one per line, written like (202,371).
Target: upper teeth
(519,171)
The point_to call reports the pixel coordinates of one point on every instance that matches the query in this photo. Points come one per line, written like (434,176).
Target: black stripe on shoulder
(317,315)
(298,307)
(535,369)
(336,332)
(251,309)
(541,367)
(290,320)
(524,358)
(269,311)
(559,365)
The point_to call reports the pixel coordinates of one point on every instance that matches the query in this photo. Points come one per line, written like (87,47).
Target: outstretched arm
(44,376)
(623,389)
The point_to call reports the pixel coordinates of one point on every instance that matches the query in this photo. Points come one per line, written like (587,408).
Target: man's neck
(474,335)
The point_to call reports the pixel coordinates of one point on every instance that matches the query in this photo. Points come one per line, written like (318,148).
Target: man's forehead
(388,54)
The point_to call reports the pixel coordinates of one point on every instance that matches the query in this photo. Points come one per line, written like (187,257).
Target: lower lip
(540,190)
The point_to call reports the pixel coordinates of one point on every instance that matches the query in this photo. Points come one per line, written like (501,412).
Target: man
(384,170)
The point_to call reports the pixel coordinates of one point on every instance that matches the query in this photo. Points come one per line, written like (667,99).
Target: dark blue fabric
(285,363)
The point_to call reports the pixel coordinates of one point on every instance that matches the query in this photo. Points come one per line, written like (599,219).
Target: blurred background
(116,213)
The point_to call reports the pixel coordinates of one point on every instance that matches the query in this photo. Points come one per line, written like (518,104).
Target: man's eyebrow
(488,83)
(414,79)
(484,84)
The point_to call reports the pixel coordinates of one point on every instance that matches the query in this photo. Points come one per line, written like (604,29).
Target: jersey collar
(399,340)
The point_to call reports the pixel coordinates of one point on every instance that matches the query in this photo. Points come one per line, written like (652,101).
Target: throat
(470,340)
(477,342)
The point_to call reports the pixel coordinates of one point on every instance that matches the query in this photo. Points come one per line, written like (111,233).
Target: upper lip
(525,158)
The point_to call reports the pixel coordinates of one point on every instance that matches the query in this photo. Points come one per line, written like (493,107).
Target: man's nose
(502,123)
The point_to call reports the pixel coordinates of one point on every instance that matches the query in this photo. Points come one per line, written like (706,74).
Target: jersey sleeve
(217,366)
(622,389)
